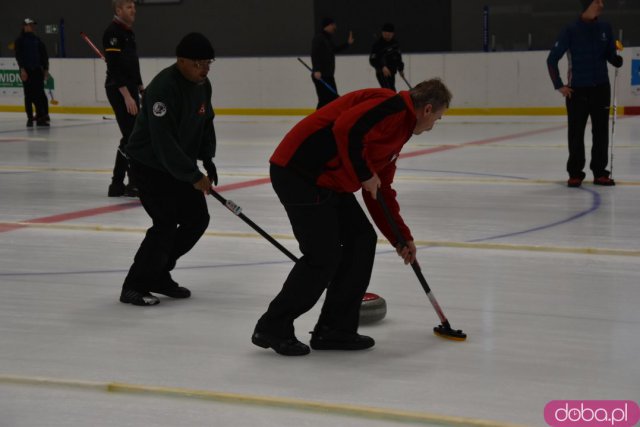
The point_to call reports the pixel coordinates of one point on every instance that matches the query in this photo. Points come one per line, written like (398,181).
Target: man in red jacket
(349,144)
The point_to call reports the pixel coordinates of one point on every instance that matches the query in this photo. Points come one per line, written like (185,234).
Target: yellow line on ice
(400,177)
(423,243)
(360,411)
(94,170)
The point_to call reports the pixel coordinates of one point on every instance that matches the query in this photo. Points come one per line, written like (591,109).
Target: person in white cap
(33,60)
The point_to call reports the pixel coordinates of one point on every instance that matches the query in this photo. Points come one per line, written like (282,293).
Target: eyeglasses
(203,63)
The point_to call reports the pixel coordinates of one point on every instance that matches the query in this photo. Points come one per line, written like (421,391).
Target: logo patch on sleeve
(159,109)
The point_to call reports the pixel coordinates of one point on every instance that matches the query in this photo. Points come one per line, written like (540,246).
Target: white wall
(477,80)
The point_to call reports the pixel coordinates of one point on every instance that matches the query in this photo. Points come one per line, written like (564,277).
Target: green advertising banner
(10,83)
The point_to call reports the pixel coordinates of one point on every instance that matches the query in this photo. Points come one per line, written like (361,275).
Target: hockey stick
(237,211)
(53,100)
(615,116)
(320,80)
(91,45)
(405,80)
(443,330)
(619,47)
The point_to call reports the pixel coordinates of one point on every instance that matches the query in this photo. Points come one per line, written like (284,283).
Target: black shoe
(323,338)
(42,123)
(30,123)
(172,291)
(131,296)
(285,346)
(131,190)
(169,287)
(116,189)
(177,292)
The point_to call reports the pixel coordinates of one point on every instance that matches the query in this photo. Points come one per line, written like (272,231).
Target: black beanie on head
(389,27)
(327,21)
(585,4)
(195,46)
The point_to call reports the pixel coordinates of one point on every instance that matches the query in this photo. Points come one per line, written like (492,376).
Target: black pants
(386,82)
(180,217)
(34,95)
(325,95)
(126,122)
(584,103)
(338,245)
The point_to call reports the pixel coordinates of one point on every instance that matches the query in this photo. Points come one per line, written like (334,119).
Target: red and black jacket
(345,142)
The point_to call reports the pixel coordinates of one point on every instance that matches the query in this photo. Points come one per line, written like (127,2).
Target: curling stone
(373,308)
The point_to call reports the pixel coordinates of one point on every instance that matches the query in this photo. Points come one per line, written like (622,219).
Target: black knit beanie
(195,46)
(327,21)
(389,27)
(585,4)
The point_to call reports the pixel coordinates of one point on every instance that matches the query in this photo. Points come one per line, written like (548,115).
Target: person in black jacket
(587,92)
(172,132)
(33,60)
(123,86)
(386,58)
(323,60)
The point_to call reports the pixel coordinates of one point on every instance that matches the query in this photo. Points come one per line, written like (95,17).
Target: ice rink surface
(544,279)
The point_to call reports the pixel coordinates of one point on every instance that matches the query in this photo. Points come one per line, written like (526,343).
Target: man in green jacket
(173,130)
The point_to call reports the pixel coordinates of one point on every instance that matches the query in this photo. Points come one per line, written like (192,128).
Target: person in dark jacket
(351,144)
(123,86)
(386,58)
(323,61)
(587,91)
(172,132)
(33,60)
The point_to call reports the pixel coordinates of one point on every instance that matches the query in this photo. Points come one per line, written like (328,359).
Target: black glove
(211,171)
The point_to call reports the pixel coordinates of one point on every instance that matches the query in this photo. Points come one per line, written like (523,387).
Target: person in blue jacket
(590,45)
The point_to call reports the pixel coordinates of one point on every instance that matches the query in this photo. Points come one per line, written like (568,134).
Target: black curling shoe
(172,291)
(284,346)
(131,296)
(170,288)
(323,338)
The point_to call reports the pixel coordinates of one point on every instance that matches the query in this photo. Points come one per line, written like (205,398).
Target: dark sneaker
(131,190)
(169,287)
(172,291)
(605,181)
(42,123)
(284,346)
(131,296)
(30,123)
(323,338)
(574,181)
(116,189)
